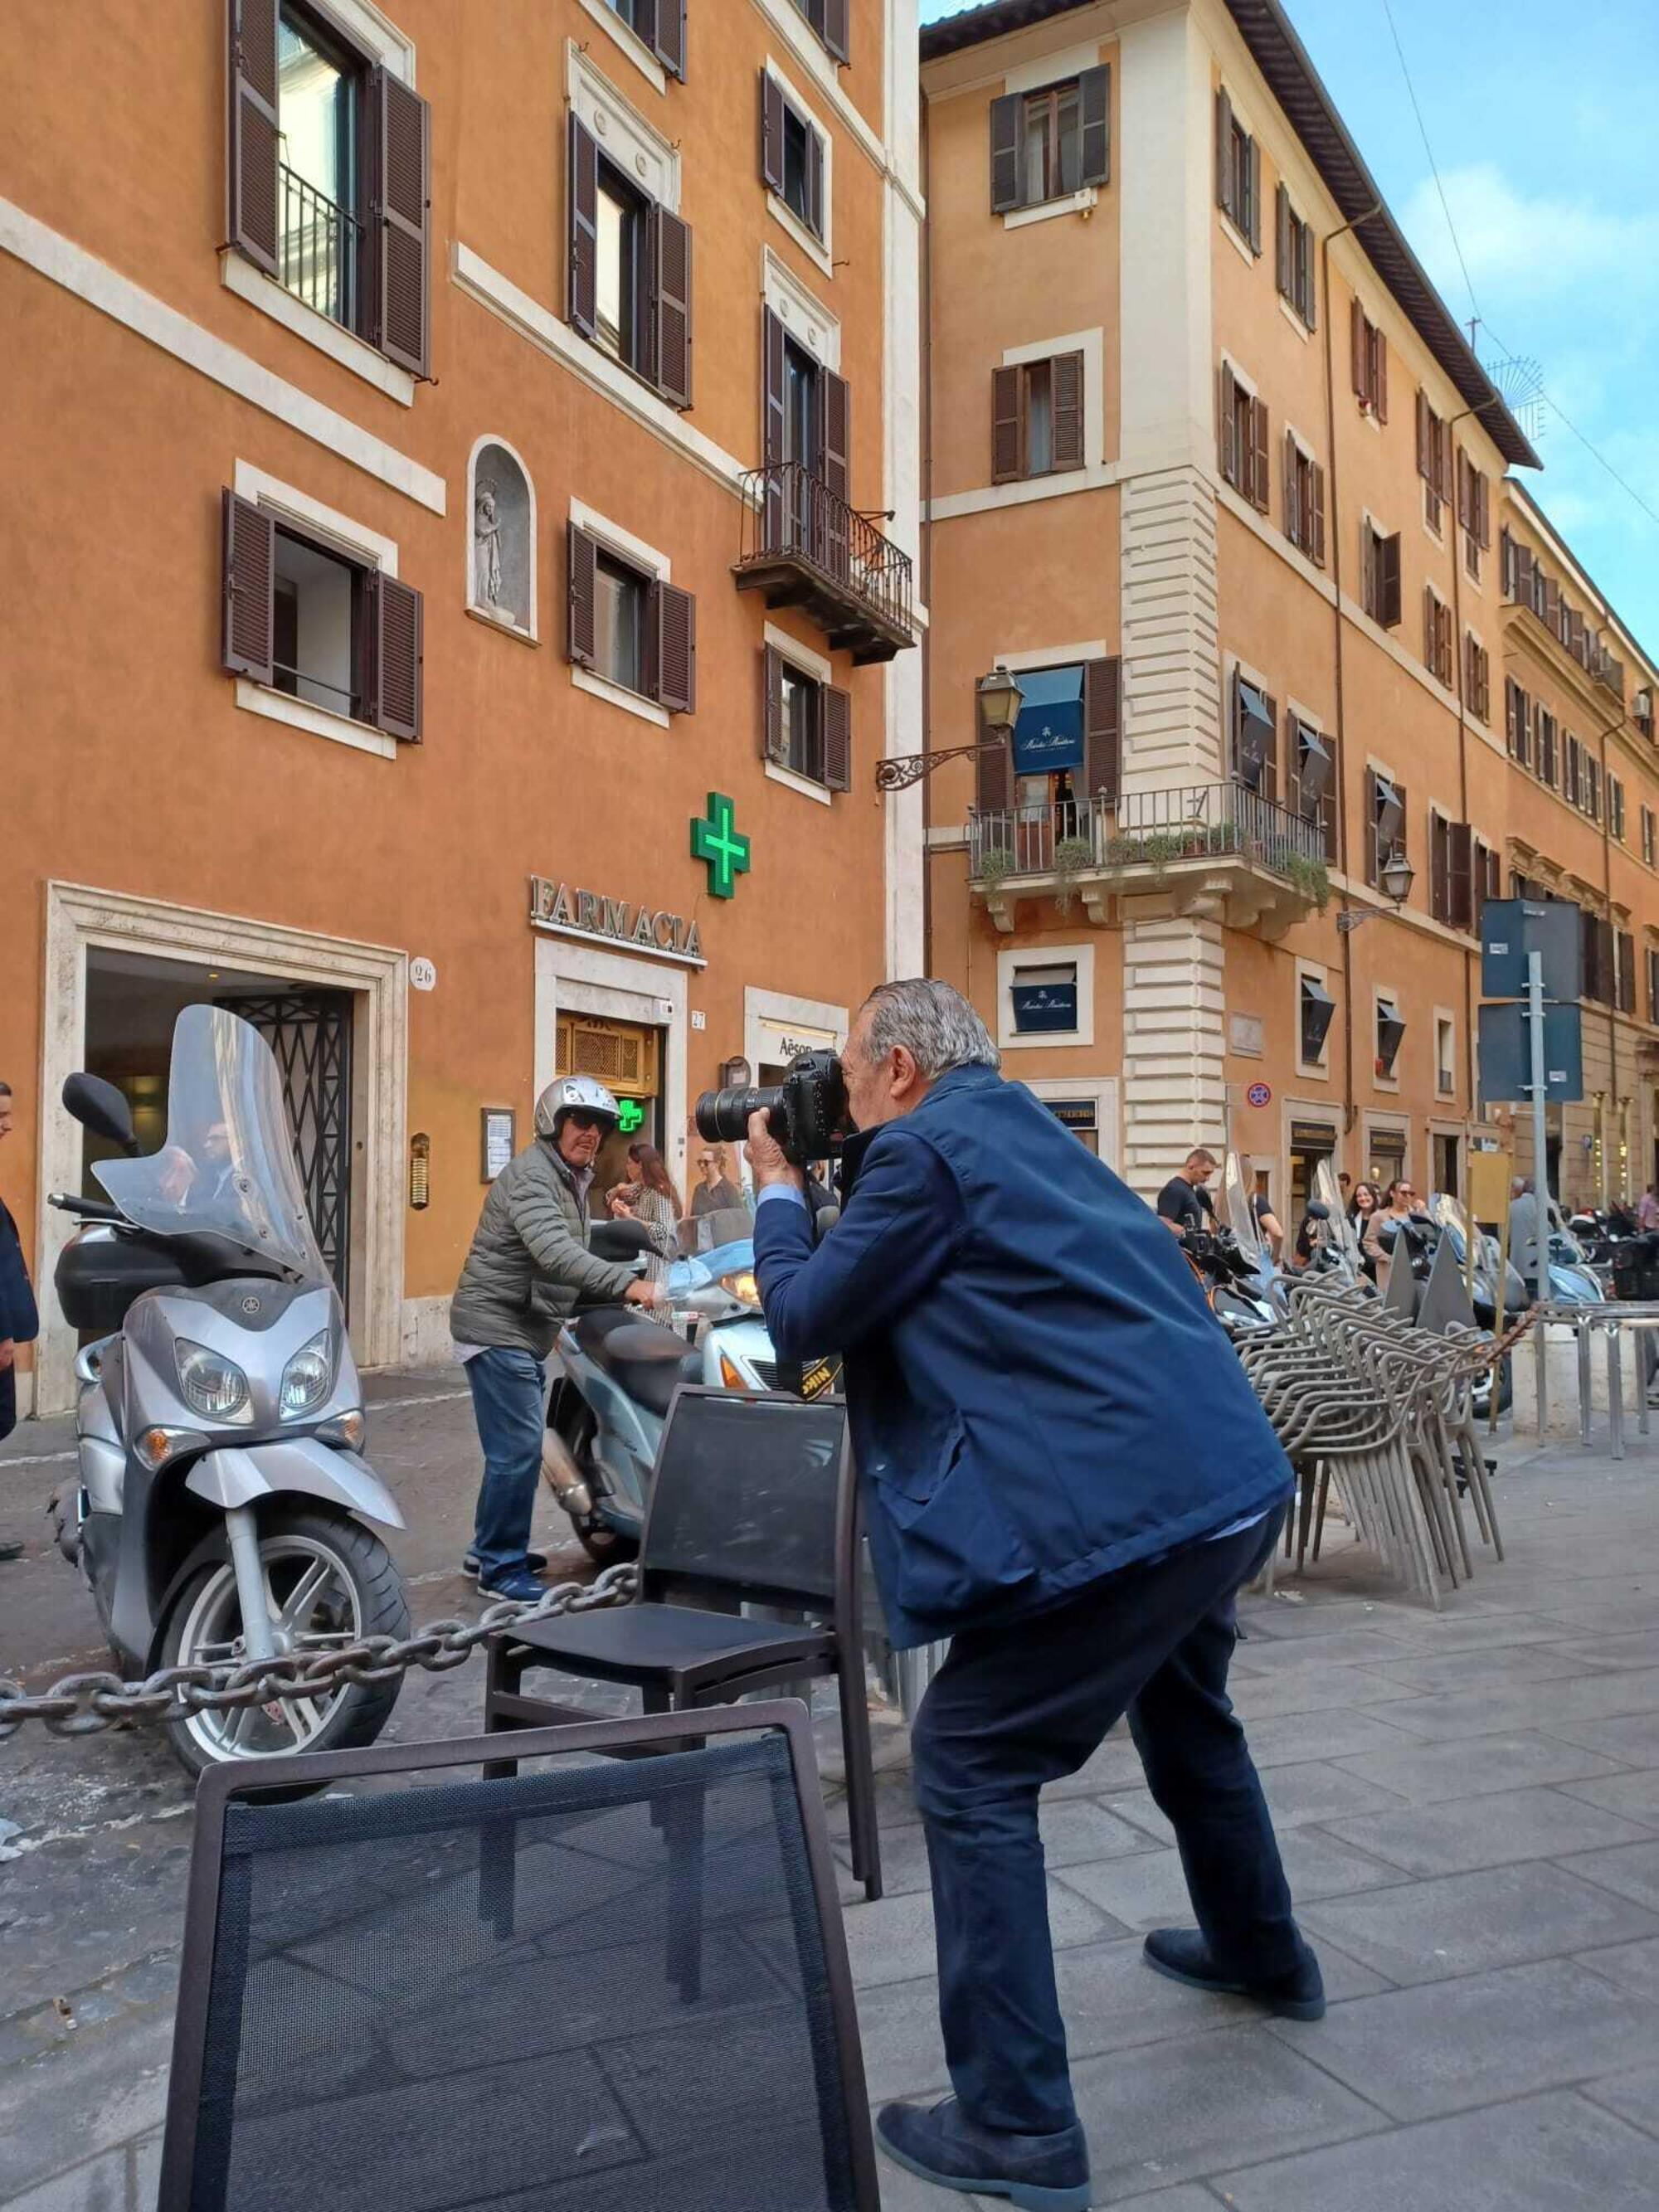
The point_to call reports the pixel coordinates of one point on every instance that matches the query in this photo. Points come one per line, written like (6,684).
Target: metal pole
(1540,1183)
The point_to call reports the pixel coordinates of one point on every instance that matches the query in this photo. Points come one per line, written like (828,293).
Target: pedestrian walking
(1647,1208)
(652,1200)
(716,1193)
(1061,1475)
(19,1320)
(528,1265)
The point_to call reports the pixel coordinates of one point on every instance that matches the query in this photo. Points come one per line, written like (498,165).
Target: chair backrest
(753,1492)
(600,1984)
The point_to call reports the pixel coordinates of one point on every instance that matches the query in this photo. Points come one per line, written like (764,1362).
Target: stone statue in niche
(487,548)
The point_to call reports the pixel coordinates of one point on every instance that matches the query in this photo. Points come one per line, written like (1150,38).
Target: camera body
(806,1113)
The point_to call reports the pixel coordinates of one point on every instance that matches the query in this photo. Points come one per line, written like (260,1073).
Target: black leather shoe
(1182,1955)
(536,1561)
(1040,2174)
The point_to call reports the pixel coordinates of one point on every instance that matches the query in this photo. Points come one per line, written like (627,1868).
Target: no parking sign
(1258,1094)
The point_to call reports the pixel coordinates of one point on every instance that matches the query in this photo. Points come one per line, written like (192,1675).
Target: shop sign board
(569,911)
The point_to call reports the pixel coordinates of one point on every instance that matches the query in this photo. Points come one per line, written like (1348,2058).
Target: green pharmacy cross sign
(630,1115)
(716,842)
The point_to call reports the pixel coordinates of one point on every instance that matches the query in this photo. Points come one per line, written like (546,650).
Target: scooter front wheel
(328,1583)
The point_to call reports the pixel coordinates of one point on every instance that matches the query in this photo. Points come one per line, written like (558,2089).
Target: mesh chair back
(747,1493)
(524,1994)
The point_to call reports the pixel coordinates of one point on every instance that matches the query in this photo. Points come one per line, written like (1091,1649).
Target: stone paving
(1469,1808)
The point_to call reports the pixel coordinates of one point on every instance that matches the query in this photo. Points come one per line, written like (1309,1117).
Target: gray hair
(934,1022)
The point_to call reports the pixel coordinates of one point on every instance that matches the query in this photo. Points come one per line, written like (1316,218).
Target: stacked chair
(1360,1396)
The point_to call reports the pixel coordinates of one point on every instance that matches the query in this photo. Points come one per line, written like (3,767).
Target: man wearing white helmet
(528,1265)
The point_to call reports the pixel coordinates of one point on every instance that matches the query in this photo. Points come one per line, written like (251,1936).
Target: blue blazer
(18,1316)
(1037,1392)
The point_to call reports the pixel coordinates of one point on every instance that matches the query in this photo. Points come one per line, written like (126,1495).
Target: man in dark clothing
(1067,1472)
(1183,1202)
(20,1322)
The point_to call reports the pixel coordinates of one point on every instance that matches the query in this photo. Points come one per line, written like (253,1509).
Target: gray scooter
(220,1507)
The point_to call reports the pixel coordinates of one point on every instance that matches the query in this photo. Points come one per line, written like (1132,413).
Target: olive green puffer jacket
(529,1262)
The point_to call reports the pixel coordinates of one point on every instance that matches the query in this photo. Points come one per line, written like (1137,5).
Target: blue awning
(1048,734)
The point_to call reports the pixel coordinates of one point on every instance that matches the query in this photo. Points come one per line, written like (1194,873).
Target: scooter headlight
(307,1378)
(742,1287)
(212,1386)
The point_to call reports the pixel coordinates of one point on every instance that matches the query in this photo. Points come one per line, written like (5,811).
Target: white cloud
(1528,245)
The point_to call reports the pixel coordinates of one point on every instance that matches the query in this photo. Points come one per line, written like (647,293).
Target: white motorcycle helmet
(573,1094)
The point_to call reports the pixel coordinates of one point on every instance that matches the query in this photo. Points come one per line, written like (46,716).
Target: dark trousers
(1021,1705)
(509,1398)
(7,1401)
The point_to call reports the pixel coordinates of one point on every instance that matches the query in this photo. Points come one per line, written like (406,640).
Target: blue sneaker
(1039,2174)
(516,1582)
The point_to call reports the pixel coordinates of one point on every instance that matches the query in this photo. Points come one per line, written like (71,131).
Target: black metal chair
(473,1993)
(754,1500)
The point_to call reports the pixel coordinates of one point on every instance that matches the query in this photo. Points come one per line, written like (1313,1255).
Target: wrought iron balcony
(804,547)
(321,249)
(1215,849)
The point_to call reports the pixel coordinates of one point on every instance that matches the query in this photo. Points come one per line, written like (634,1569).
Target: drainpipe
(1335,541)
(925,565)
(1612,730)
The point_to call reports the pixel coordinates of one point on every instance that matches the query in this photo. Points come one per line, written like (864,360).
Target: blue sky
(1544,122)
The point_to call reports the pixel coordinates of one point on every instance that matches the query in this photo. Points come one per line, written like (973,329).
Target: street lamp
(997,699)
(1396,876)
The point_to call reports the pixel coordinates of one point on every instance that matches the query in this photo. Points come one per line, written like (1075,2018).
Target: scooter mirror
(99,1107)
(1317,1210)
(619,1239)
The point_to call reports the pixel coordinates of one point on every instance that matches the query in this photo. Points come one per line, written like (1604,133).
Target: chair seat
(630,1643)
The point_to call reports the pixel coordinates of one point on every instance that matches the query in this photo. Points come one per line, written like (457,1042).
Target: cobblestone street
(1469,1805)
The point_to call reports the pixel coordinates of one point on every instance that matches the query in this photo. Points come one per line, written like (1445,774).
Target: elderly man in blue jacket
(1067,1472)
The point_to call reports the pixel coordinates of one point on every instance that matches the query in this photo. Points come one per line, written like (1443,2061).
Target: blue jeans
(509,1399)
(1022,1704)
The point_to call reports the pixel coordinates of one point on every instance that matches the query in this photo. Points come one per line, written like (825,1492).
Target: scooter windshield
(227,1168)
(1336,1234)
(1240,1215)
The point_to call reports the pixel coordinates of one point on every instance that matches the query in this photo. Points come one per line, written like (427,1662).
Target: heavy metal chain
(86,1705)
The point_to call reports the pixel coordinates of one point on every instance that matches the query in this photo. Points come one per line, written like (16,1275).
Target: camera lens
(723,1115)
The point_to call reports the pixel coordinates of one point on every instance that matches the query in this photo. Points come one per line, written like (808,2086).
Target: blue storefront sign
(1044,1006)
(1048,734)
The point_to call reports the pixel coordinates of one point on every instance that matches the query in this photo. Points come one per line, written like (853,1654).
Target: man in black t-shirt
(1184,1203)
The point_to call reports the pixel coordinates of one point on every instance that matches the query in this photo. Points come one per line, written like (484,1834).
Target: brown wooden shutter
(1103,729)
(1370,825)
(833,30)
(771,132)
(1231,459)
(1316,540)
(1425,457)
(772,745)
(668,257)
(1260,490)
(1368,566)
(674,631)
(248,645)
(1255,196)
(251,220)
(1065,394)
(814,183)
(579,639)
(1282,241)
(1439,866)
(1380,374)
(1268,787)
(1388,581)
(1360,364)
(1459,908)
(1430,628)
(1482,510)
(582,193)
(1007,388)
(833,538)
(1094,118)
(1224,154)
(1465,497)
(837,706)
(1006,174)
(1332,798)
(395,657)
(667,40)
(400,141)
(1293,499)
(994,776)
(1626,972)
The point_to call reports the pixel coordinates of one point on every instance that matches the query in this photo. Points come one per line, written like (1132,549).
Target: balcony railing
(321,249)
(804,547)
(1147,829)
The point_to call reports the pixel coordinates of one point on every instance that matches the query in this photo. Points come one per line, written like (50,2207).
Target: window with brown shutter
(252,222)
(248,647)
(400,196)
(582,219)
(1051,141)
(1036,417)
(629,270)
(1304,501)
(1294,256)
(1256,737)
(1648,836)
(1460,876)
(1439,866)
(837,706)
(1436,636)
(1369,363)
(1545,749)
(1616,808)
(668,246)
(1517,722)
(1477,692)
(1313,778)
(661,24)
(395,645)
(1571,770)
(1432,445)
(1238,173)
(1380,575)
(673,617)
(1385,821)
(628,625)
(1102,730)
(791,155)
(579,598)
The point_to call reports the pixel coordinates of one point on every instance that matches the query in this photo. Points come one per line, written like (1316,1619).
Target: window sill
(1042,1040)
(501,623)
(816,249)
(320,721)
(1303,331)
(265,294)
(1235,236)
(1310,1071)
(629,42)
(601,687)
(1078,202)
(791,780)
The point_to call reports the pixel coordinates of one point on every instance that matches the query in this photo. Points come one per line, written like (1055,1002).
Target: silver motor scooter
(220,1509)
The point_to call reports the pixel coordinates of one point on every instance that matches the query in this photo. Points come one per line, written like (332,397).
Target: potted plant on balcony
(994,867)
(1071,856)
(1310,878)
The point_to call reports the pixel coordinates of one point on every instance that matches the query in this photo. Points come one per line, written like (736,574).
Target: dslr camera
(806,1113)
